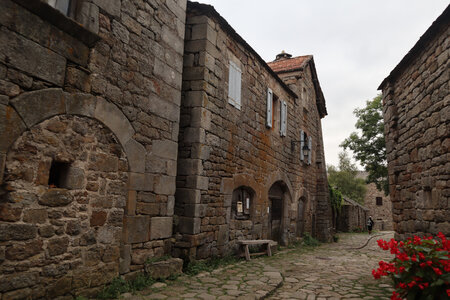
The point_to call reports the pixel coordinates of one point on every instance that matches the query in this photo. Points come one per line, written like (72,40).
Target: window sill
(59,20)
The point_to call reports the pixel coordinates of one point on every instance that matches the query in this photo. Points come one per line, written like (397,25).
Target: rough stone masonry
(416,114)
(93,102)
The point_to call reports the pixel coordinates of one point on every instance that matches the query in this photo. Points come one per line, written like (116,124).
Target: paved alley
(330,271)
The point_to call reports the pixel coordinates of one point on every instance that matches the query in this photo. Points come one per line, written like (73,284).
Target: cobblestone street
(330,271)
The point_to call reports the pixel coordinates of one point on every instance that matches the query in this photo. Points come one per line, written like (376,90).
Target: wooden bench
(246,243)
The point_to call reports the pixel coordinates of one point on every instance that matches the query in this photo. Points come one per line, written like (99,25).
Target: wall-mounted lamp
(306,150)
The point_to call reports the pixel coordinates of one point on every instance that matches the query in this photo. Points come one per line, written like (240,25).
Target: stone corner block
(37,106)
(189,225)
(189,196)
(165,185)
(136,229)
(161,227)
(140,182)
(165,149)
(110,115)
(136,156)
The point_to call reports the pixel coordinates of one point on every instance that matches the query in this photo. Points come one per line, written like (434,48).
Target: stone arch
(29,109)
(303,210)
(281,179)
(279,176)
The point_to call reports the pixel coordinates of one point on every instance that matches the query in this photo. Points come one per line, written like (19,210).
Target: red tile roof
(290,64)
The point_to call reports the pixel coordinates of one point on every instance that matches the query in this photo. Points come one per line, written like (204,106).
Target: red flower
(448,292)
(421,256)
(437,271)
(395,296)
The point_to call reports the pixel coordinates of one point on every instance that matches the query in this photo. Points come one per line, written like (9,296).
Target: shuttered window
(283,118)
(269,121)
(302,143)
(234,85)
(310,149)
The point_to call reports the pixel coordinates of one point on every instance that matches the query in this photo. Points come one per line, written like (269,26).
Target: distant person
(370,224)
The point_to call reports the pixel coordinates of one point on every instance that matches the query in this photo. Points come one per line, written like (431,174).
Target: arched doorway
(276,210)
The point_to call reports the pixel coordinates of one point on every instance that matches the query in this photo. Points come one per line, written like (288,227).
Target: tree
(345,180)
(368,145)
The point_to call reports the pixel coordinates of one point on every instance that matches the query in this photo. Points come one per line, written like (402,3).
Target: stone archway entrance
(276,199)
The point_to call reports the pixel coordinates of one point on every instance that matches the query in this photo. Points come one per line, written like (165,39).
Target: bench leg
(247,253)
(269,251)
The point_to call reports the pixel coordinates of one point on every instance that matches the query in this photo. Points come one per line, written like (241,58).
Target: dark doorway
(301,216)
(276,211)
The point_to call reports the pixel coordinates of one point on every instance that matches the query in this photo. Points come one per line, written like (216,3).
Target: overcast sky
(355,43)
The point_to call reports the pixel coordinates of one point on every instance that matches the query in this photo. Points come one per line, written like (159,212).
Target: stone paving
(330,271)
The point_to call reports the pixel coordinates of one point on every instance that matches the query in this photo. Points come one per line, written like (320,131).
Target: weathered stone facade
(416,114)
(226,151)
(89,119)
(91,110)
(379,205)
(352,217)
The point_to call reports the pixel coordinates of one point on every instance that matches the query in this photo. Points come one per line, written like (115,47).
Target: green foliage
(368,145)
(344,180)
(420,269)
(81,298)
(336,199)
(195,267)
(308,240)
(119,286)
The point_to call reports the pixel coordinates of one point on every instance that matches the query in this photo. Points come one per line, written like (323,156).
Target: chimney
(283,55)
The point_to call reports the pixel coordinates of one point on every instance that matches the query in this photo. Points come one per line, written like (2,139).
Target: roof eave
(210,11)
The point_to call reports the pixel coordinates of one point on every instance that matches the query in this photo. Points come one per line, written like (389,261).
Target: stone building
(89,121)
(101,125)
(352,217)
(242,171)
(378,204)
(416,114)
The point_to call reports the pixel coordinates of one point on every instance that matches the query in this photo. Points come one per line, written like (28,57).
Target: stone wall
(381,214)
(101,102)
(416,114)
(223,148)
(352,218)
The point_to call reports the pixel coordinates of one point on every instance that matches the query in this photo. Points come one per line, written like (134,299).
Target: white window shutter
(302,143)
(234,85)
(310,149)
(238,88)
(283,118)
(269,108)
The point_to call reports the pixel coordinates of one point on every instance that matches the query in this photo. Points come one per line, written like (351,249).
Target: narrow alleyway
(330,271)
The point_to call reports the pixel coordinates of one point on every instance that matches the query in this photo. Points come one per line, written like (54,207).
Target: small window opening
(58,174)
(241,203)
(379,201)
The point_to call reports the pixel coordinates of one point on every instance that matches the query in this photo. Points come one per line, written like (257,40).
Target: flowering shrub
(420,269)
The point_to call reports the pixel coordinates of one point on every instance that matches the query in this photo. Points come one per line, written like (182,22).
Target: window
(269,111)
(283,118)
(63,6)
(241,203)
(379,201)
(234,85)
(58,174)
